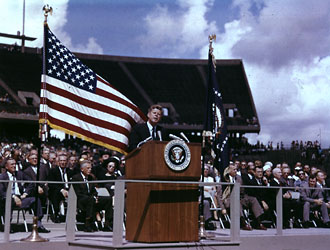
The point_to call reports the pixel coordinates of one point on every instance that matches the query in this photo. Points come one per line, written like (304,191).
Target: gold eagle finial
(47,9)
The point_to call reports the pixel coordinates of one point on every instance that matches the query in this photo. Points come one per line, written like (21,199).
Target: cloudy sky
(284,45)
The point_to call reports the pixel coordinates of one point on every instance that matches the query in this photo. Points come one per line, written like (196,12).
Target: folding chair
(216,209)
(18,209)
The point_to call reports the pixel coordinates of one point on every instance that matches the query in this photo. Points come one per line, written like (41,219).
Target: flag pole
(34,236)
(207,135)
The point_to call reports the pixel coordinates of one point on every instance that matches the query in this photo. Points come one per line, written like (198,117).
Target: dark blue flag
(215,118)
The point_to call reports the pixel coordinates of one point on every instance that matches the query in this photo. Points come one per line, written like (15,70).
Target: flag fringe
(83,137)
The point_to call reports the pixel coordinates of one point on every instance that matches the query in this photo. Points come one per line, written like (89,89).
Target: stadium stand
(178,84)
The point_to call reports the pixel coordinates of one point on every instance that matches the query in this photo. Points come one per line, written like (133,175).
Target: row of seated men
(300,197)
(88,200)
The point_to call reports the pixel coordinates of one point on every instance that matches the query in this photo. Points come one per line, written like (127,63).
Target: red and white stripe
(104,117)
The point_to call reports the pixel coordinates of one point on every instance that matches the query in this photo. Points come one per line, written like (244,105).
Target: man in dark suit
(88,200)
(260,194)
(289,204)
(22,197)
(59,192)
(45,161)
(31,174)
(248,176)
(246,200)
(143,131)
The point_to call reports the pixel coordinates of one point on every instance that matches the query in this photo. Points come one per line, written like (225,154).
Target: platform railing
(119,201)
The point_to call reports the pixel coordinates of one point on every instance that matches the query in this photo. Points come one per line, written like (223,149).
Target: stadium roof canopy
(177,84)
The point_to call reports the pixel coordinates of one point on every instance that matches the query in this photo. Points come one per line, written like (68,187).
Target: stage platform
(292,239)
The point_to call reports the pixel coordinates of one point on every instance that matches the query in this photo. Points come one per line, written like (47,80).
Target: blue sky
(284,45)
(123,23)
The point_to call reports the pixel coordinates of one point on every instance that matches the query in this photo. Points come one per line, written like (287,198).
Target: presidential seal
(177,155)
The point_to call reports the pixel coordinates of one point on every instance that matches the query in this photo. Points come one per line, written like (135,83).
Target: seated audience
(313,200)
(246,201)
(31,174)
(320,182)
(268,172)
(209,196)
(307,170)
(260,194)
(59,192)
(22,196)
(109,174)
(289,204)
(302,179)
(88,200)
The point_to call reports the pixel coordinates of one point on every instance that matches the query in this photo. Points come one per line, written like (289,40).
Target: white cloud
(12,21)
(284,32)
(179,32)
(285,49)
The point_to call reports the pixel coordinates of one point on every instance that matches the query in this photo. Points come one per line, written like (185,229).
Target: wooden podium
(161,212)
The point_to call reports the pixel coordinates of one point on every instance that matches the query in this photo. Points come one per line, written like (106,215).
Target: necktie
(64,180)
(14,186)
(154,133)
(87,184)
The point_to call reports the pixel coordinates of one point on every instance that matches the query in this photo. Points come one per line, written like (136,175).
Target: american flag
(76,100)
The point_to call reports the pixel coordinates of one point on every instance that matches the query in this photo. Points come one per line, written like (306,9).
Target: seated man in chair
(22,197)
(87,199)
(59,192)
(313,199)
(246,201)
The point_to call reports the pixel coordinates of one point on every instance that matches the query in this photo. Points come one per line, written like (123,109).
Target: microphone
(144,141)
(175,137)
(159,135)
(184,137)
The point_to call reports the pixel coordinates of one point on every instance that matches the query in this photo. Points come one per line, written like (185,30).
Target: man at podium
(150,130)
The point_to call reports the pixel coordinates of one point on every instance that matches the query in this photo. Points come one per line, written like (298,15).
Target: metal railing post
(118,213)
(8,212)
(235,213)
(279,211)
(71,215)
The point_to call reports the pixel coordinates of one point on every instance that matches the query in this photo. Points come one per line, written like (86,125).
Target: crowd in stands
(295,145)
(5,99)
(9,106)
(306,201)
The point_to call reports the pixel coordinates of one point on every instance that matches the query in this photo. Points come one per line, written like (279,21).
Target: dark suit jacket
(246,179)
(55,175)
(309,195)
(260,194)
(287,183)
(274,183)
(19,176)
(141,132)
(81,188)
(31,175)
(45,166)
(42,173)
